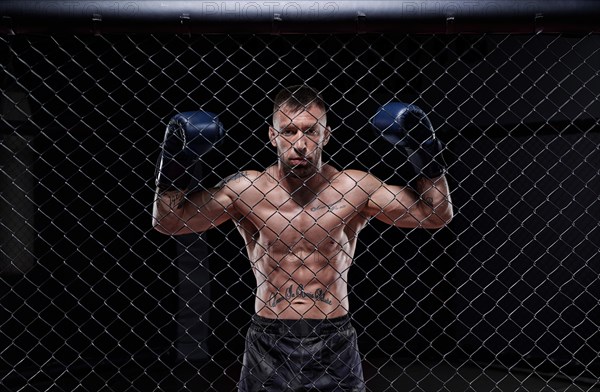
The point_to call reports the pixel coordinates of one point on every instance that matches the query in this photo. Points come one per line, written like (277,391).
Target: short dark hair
(297,98)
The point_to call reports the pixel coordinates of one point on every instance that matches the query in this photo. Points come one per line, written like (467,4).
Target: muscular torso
(300,244)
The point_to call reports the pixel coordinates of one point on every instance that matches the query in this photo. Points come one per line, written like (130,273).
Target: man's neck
(303,190)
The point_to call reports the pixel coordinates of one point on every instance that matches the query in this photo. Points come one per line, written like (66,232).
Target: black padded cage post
(505,298)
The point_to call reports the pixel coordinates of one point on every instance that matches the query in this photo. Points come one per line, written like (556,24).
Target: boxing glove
(188,136)
(406,126)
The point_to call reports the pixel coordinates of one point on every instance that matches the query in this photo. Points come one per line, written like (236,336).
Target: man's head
(299,130)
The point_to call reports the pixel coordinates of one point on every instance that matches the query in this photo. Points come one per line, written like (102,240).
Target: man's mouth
(298,161)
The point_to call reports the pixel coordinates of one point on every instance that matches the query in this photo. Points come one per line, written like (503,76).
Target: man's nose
(300,142)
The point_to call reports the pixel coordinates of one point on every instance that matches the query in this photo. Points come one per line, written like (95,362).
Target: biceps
(206,210)
(395,205)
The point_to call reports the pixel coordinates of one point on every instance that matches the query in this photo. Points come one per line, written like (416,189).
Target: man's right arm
(188,136)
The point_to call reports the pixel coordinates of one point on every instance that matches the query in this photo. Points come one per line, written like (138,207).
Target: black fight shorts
(301,355)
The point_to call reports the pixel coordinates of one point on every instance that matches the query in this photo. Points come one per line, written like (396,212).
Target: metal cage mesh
(505,297)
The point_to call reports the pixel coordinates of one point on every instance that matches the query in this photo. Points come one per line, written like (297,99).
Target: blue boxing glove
(189,135)
(406,126)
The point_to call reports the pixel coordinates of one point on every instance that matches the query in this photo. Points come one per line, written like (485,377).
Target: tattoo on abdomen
(292,292)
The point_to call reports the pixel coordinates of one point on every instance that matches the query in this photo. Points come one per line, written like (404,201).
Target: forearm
(188,136)
(168,211)
(434,201)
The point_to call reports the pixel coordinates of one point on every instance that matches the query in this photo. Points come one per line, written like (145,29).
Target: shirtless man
(300,219)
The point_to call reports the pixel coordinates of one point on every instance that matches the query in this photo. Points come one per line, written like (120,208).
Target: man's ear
(326,135)
(272,135)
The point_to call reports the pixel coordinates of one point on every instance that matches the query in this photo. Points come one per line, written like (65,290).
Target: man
(300,219)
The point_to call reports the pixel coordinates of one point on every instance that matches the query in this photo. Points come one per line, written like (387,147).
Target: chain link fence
(504,298)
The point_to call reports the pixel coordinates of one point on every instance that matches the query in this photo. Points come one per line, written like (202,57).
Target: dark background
(512,281)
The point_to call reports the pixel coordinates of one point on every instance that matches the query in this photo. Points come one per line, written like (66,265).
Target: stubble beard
(301,172)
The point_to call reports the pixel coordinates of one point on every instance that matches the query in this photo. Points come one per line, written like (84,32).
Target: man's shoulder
(245,178)
(355,175)
(236,179)
(357,179)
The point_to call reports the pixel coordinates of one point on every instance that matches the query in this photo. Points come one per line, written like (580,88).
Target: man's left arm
(428,205)
(406,127)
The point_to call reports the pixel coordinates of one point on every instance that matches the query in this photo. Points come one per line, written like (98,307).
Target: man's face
(299,138)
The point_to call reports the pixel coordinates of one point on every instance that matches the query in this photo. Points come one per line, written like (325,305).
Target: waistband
(300,327)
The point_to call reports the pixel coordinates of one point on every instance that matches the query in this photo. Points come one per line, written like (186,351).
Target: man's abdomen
(294,289)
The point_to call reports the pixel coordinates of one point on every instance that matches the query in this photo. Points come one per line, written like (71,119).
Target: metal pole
(268,16)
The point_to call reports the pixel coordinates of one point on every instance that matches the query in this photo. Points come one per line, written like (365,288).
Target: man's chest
(279,212)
